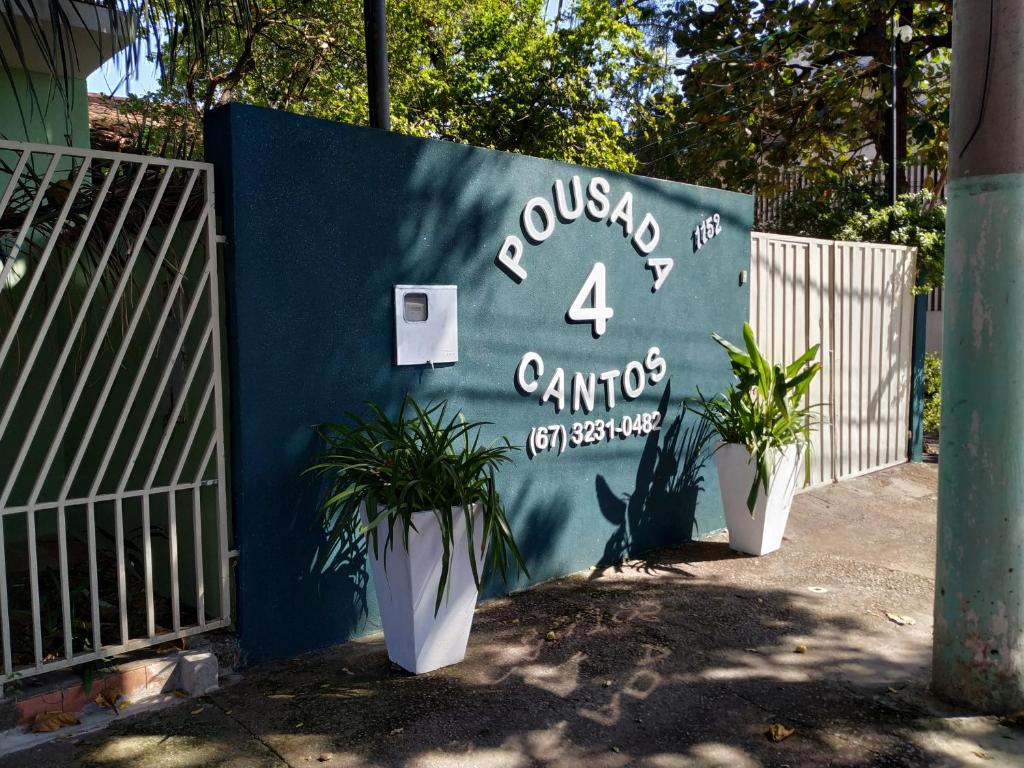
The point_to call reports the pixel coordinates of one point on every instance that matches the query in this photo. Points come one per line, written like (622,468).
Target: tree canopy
(503,74)
(720,92)
(772,84)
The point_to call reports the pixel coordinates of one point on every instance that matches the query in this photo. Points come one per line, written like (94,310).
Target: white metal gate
(855,299)
(113,511)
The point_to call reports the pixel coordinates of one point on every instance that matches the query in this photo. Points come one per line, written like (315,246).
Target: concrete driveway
(684,659)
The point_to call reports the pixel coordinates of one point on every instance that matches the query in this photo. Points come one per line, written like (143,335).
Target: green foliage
(822,209)
(505,74)
(92,669)
(932,392)
(423,460)
(795,83)
(493,73)
(764,410)
(498,74)
(13,684)
(918,220)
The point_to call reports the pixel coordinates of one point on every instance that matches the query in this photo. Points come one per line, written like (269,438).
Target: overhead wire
(984,89)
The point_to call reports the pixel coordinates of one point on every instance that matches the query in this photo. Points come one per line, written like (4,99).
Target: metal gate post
(915,450)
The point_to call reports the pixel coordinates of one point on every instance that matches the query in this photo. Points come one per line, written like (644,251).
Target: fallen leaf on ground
(616,749)
(551,636)
(198,710)
(1014,718)
(896,618)
(982,755)
(800,649)
(108,699)
(778,732)
(47,722)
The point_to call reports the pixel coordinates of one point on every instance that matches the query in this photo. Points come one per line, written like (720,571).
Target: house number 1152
(706,230)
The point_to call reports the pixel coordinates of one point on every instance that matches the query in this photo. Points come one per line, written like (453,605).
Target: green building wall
(324,219)
(44,118)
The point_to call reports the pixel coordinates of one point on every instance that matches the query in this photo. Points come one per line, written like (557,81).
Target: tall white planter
(416,639)
(760,533)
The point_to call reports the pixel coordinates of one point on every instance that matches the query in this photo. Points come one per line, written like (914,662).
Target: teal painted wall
(323,219)
(43,121)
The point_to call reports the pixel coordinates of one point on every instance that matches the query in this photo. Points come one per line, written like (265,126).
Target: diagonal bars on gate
(114,532)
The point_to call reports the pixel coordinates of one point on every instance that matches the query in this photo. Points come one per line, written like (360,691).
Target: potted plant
(764,428)
(420,488)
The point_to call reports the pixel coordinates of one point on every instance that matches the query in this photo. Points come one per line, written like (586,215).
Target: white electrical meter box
(426,324)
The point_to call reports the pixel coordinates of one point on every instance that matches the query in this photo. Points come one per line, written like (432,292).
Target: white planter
(760,533)
(416,639)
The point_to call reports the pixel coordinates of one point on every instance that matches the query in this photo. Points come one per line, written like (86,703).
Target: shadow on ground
(680,659)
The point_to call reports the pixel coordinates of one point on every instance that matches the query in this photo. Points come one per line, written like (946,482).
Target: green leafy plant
(821,207)
(13,685)
(92,669)
(764,411)
(932,392)
(918,220)
(422,460)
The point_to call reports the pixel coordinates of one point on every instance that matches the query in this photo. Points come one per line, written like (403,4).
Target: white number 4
(599,312)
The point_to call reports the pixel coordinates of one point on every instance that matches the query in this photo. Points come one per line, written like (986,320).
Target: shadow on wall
(538,529)
(663,504)
(310,277)
(338,573)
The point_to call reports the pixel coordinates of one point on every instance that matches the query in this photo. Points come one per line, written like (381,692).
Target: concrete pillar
(979,600)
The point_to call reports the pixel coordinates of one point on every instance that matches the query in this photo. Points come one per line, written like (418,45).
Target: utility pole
(375,26)
(978,656)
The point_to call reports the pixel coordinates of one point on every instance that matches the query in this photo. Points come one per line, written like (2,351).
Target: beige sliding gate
(855,299)
(113,514)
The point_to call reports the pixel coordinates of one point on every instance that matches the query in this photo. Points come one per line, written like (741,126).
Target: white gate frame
(58,160)
(856,301)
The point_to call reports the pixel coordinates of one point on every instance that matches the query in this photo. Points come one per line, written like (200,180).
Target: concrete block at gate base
(162,676)
(198,673)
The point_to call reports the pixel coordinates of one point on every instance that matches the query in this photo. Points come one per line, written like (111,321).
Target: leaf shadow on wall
(338,567)
(663,504)
(538,526)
